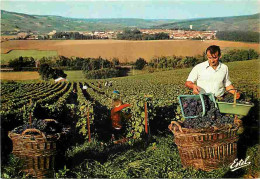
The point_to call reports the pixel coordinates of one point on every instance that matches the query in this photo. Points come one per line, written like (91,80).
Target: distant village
(173,34)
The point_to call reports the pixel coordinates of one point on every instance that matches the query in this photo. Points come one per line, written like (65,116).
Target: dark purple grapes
(50,127)
(191,107)
(212,117)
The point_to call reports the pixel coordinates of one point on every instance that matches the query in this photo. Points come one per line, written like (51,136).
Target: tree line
(190,61)
(51,67)
(74,36)
(135,34)
(238,36)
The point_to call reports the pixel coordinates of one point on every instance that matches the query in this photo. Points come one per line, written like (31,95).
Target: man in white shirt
(211,76)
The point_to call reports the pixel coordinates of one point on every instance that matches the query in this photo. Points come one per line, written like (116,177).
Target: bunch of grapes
(212,117)
(46,127)
(191,107)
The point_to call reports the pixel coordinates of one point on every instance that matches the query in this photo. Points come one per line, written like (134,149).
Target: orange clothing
(116,117)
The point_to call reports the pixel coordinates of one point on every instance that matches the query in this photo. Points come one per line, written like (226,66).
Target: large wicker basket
(36,150)
(205,149)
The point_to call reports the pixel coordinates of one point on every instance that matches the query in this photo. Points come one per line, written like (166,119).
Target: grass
(75,75)
(37,54)
(157,159)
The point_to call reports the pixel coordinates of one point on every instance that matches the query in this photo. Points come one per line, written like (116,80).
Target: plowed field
(124,50)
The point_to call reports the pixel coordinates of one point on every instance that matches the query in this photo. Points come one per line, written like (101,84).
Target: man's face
(213,59)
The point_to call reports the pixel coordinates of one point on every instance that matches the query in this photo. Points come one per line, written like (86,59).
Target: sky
(145,9)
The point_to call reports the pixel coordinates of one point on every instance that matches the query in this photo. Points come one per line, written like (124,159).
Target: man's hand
(196,89)
(231,89)
(237,95)
(192,86)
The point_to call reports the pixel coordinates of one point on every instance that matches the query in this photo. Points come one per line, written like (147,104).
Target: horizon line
(129,17)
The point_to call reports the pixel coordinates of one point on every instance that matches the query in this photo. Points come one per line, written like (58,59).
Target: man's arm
(192,86)
(230,87)
(116,109)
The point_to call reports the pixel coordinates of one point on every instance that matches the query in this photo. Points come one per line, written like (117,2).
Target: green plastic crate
(231,108)
(199,96)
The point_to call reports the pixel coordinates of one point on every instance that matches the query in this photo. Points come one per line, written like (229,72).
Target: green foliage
(140,63)
(135,34)
(13,169)
(85,64)
(115,61)
(171,62)
(239,55)
(102,73)
(18,63)
(73,36)
(46,72)
(238,36)
(86,147)
(62,173)
(129,34)
(253,169)
(159,160)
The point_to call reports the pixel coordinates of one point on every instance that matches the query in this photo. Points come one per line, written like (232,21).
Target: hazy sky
(147,9)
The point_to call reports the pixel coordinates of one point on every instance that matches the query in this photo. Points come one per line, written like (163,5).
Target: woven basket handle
(34,130)
(177,124)
(49,120)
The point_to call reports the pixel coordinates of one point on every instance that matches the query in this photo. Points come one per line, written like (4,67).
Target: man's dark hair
(213,49)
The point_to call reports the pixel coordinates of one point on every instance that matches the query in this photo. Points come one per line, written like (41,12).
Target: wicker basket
(37,150)
(205,149)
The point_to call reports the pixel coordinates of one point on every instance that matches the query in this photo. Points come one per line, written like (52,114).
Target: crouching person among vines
(118,119)
(211,76)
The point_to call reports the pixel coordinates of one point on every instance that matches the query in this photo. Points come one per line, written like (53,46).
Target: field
(126,51)
(29,75)
(72,75)
(37,54)
(75,76)
(156,157)
(7,37)
(19,76)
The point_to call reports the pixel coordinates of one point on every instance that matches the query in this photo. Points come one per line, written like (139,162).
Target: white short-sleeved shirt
(212,81)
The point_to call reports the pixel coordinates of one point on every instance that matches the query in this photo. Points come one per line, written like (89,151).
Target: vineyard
(148,154)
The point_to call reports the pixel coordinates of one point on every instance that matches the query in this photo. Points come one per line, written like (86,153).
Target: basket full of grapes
(35,143)
(229,104)
(206,139)
(205,148)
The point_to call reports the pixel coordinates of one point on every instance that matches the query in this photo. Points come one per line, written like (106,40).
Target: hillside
(235,23)
(13,22)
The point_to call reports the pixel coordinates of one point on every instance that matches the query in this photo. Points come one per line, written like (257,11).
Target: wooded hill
(234,23)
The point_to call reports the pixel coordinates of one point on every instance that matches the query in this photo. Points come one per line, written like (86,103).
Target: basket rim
(237,104)
(181,130)
(12,134)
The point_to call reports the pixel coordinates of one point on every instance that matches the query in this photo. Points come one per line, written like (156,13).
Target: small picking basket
(234,108)
(205,149)
(199,97)
(37,150)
